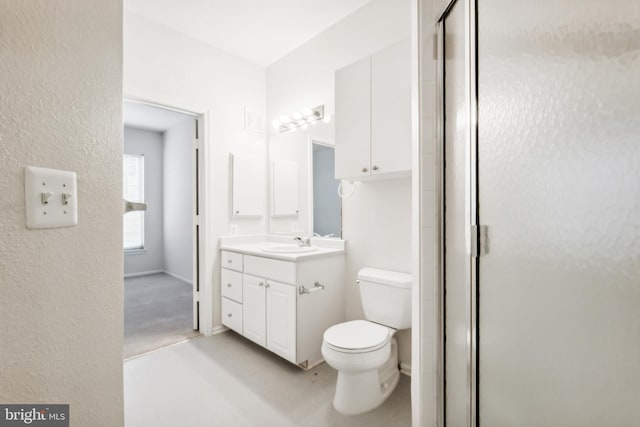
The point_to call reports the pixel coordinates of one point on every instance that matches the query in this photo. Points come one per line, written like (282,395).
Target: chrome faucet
(303,241)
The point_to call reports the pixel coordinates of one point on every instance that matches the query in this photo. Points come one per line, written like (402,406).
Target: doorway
(541,213)
(161,243)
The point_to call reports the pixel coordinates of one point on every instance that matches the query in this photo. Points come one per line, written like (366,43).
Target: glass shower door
(559,189)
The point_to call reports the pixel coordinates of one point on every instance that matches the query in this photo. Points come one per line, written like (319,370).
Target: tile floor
(158,311)
(226,380)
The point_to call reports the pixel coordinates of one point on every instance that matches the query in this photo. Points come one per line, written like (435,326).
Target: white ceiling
(144,116)
(261,31)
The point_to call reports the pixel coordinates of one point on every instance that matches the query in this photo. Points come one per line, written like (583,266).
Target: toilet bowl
(365,354)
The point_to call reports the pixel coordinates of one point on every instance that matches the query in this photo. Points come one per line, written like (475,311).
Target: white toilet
(364,351)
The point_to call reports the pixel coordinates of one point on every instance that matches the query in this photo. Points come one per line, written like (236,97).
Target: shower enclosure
(540,154)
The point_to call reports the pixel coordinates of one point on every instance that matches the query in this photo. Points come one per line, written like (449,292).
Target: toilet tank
(386,297)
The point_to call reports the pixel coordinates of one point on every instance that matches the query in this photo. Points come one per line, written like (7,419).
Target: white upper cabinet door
(284,183)
(253,309)
(391,109)
(281,319)
(353,120)
(248,190)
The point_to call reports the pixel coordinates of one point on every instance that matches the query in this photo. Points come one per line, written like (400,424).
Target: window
(133,190)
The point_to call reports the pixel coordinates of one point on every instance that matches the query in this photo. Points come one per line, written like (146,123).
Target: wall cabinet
(271,311)
(373,115)
(247,193)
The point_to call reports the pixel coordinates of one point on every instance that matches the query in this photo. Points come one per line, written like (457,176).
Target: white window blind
(133,191)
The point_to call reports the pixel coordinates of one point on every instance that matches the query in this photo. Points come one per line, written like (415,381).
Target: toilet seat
(357,336)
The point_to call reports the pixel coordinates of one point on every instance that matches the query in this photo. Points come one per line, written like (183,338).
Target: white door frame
(202,277)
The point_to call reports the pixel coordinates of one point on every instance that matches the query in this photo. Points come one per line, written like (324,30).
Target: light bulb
(326,119)
(297,116)
(304,126)
(276,123)
(306,112)
(285,119)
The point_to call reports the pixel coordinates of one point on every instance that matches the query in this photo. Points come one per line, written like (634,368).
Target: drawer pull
(261,283)
(228,285)
(229,314)
(229,261)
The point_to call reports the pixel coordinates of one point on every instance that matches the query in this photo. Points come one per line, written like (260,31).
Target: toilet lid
(357,335)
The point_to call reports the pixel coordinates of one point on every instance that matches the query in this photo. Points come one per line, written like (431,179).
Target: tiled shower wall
(429,196)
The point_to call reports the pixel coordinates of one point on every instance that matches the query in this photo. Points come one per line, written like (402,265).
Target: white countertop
(256,245)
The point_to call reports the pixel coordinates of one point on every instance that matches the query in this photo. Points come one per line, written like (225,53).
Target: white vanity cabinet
(269,315)
(275,310)
(373,116)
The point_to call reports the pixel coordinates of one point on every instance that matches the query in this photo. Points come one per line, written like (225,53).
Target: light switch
(51,198)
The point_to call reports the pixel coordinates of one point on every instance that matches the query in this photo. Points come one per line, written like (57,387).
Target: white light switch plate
(45,194)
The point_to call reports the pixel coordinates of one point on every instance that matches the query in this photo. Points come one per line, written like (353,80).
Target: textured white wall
(178,199)
(376,221)
(168,68)
(61,299)
(148,143)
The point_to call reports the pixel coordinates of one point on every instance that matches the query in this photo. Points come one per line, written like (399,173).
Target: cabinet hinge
(196,295)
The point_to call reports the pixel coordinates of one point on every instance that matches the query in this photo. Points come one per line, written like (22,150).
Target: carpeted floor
(158,311)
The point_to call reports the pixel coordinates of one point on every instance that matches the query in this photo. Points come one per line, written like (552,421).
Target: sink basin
(289,249)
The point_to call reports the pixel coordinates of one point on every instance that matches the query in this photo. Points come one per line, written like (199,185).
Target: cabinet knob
(261,283)
(364,170)
(229,314)
(267,285)
(229,261)
(237,212)
(375,168)
(228,285)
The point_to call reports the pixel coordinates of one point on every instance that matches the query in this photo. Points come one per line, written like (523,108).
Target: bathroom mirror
(326,204)
(309,154)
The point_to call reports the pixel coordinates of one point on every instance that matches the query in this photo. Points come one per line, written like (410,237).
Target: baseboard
(219,329)
(405,369)
(178,277)
(143,273)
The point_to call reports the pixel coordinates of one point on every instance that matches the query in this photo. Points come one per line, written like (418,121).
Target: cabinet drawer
(232,315)
(275,269)
(231,283)
(232,260)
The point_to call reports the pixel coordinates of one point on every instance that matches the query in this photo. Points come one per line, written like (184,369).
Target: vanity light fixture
(301,119)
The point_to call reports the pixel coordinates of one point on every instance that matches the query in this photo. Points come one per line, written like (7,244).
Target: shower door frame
(471,193)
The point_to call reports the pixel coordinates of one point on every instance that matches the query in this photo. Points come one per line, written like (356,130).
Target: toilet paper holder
(317,286)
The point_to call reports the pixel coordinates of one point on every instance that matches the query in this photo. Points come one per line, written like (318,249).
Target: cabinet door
(353,120)
(247,195)
(281,319)
(391,109)
(253,309)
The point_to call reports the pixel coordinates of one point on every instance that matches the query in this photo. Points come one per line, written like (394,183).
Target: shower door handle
(128,206)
